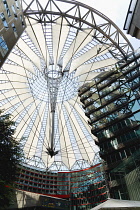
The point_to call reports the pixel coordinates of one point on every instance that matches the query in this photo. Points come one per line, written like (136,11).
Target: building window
(17,5)
(22,21)
(7,8)
(14,29)
(4,20)
(3,46)
(14,11)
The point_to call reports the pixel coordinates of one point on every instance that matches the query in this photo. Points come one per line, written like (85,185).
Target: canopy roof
(118,204)
(64,45)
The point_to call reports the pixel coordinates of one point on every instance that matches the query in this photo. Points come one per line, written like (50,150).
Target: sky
(116,10)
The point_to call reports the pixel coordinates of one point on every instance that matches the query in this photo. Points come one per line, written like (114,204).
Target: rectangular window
(14,11)
(14,29)
(3,46)
(122,154)
(2,17)
(7,8)
(22,22)
(17,5)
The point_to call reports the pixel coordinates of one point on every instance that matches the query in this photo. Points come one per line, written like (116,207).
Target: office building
(12,25)
(82,189)
(132,23)
(112,103)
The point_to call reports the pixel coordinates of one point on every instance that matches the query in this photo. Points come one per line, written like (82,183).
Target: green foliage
(10,157)
(6,195)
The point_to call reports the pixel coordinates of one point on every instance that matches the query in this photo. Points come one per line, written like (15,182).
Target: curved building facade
(77,190)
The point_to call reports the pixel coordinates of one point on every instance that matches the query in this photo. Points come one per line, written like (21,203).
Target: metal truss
(65,45)
(79,16)
(37,163)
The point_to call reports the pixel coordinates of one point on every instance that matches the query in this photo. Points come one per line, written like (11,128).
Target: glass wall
(84,189)
(88,188)
(112,103)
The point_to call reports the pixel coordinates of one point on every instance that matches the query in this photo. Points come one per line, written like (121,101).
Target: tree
(10,157)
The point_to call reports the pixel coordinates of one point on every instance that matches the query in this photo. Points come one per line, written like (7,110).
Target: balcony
(84,88)
(108,82)
(85,96)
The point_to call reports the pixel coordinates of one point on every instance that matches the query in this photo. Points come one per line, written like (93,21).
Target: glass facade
(12,24)
(3,46)
(84,189)
(112,103)
(88,188)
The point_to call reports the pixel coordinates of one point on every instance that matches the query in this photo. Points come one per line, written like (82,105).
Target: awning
(118,204)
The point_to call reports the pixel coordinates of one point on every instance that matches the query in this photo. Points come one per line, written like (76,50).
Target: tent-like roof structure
(113,204)
(65,44)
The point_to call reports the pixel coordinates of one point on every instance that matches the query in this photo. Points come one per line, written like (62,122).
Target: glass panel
(3,46)
(14,29)
(4,20)
(7,8)
(14,11)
